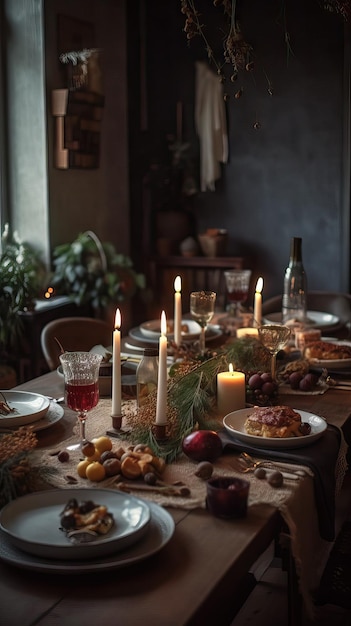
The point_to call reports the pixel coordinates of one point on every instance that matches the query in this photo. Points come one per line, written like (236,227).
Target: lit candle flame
(177,284)
(163,323)
(49,292)
(259,285)
(118,320)
(231,369)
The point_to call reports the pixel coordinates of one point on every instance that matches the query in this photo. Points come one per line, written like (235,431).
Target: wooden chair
(73,333)
(336,303)
(197,273)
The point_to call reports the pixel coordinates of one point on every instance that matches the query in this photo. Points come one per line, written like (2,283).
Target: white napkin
(211,125)
(104,352)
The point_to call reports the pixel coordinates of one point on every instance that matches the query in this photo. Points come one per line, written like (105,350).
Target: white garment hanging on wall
(211,125)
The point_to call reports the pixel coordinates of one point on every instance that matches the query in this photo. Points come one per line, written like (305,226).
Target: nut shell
(204,470)
(275,479)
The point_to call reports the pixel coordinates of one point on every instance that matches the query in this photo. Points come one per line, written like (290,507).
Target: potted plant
(93,273)
(22,276)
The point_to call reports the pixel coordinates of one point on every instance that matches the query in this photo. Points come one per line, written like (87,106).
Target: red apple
(202,445)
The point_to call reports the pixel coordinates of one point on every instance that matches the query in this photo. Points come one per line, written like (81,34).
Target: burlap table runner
(99,421)
(295,499)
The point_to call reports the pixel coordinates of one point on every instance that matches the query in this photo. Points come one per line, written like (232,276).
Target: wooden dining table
(195,579)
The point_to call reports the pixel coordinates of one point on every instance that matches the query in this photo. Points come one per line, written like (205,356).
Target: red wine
(81,396)
(237,295)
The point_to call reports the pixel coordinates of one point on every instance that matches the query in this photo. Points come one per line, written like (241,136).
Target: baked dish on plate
(276,421)
(327,351)
(235,425)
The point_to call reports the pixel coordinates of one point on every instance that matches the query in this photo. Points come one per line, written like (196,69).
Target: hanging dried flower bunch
(342,7)
(236,51)
(238,54)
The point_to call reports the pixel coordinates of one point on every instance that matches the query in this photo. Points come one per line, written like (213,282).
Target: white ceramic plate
(32,523)
(53,415)
(333,364)
(160,531)
(212,332)
(28,407)
(316,318)
(234,424)
(152,329)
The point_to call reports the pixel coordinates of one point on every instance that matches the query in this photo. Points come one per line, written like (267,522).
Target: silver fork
(248,464)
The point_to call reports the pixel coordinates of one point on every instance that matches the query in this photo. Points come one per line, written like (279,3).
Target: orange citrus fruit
(103,444)
(95,471)
(82,468)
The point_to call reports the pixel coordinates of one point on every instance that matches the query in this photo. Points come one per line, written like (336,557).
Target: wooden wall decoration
(78,107)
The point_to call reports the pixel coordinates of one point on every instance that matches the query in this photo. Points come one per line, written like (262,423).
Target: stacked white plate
(148,333)
(26,408)
(316,319)
(31,536)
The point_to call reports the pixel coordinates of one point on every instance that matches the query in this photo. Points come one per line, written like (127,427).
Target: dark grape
(294,380)
(261,387)
(305,384)
(312,378)
(268,388)
(255,381)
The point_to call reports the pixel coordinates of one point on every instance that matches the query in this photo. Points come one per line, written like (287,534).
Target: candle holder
(117,422)
(160,431)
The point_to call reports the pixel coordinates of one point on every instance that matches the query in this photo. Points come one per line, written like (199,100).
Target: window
(3,204)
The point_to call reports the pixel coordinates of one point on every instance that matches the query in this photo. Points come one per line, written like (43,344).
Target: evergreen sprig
(192,391)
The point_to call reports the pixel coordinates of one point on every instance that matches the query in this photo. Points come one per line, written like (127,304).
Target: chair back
(197,273)
(73,333)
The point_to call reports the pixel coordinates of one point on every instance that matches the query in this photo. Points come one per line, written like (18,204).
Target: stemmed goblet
(237,285)
(274,337)
(81,375)
(202,304)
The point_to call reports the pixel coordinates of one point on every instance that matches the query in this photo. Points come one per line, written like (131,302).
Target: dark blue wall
(283,180)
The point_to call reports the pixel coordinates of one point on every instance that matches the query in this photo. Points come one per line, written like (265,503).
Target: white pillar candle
(258,303)
(116,368)
(177,311)
(231,393)
(161,403)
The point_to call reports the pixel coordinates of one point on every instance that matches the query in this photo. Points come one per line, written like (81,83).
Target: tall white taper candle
(258,303)
(161,404)
(177,311)
(116,368)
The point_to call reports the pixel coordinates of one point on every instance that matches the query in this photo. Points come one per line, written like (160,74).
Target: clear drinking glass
(274,337)
(81,375)
(237,285)
(202,304)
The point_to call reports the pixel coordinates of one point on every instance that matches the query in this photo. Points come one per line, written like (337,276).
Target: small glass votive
(303,337)
(227,496)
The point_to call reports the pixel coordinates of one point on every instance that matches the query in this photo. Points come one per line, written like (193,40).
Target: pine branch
(192,394)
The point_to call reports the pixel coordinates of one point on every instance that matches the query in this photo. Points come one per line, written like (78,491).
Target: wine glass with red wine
(81,375)
(237,285)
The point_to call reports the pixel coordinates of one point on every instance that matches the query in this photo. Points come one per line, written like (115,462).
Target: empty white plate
(152,329)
